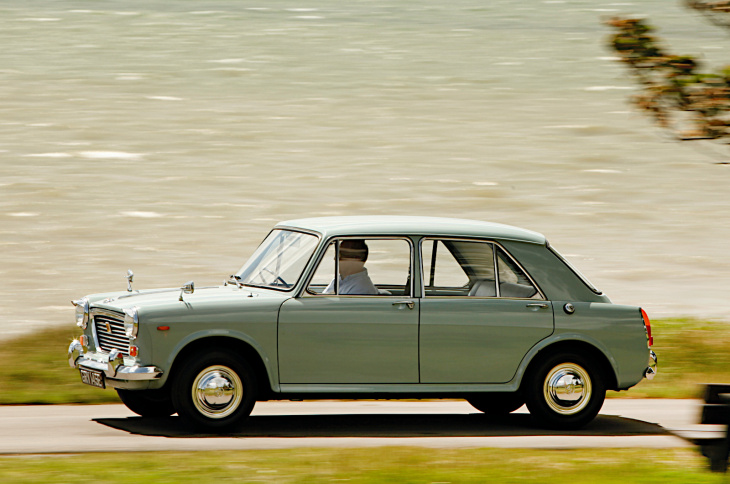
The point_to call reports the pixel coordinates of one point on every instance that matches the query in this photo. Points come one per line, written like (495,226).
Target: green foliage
(36,371)
(691,104)
(401,465)
(691,353)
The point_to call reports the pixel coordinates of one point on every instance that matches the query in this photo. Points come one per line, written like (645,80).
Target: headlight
(82,312)
(131,322)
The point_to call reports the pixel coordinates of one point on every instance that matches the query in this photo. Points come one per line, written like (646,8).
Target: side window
(442,273)
(467,268)
(367,267)
(513,283)
(458,268)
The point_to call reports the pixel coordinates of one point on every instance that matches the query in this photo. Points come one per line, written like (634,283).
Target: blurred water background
(169,136)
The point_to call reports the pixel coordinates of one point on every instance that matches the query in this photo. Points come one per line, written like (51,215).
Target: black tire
(564,391)
(214,391)
(148,403)
(496,404)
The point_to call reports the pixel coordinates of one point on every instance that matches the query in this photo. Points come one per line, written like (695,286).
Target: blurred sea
(168,137)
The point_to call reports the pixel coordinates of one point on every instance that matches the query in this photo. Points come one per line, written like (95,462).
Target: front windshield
(279,261)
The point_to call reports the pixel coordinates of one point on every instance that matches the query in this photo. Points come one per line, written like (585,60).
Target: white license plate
(93,378)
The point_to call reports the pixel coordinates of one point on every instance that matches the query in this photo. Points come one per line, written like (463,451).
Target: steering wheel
(278,281)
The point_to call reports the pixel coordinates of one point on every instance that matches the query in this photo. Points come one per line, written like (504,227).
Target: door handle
(410,304)
(537,305)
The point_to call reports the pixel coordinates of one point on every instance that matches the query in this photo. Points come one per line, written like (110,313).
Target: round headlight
(131,322)
(82,312)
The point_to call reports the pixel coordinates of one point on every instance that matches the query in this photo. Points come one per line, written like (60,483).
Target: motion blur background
(168,137)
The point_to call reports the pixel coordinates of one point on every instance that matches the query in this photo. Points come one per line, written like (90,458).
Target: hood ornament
(130,278)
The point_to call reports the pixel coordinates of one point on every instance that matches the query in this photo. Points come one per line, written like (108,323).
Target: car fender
(562,338)
(268,362)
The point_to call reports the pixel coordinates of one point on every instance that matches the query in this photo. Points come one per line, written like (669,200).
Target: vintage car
(422,307)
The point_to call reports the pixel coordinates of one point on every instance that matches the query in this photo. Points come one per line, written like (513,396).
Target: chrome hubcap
(567,389)
(217,392)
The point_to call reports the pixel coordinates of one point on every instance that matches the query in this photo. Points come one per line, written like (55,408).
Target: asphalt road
(275,425)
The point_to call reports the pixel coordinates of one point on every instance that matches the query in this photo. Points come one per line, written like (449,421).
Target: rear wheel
(148,403)
(214,391)
(565,391)
(496,404)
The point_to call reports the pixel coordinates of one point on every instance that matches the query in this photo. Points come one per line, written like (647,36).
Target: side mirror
(188,288)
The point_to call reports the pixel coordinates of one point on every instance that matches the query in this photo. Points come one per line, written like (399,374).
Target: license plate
(93,378)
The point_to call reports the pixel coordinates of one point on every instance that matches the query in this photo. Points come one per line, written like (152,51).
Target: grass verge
(691,352)
(381,465)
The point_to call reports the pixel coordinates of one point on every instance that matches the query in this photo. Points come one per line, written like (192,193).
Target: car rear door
(480,314)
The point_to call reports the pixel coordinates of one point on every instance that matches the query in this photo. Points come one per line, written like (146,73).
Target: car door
(480,313)
(346,337)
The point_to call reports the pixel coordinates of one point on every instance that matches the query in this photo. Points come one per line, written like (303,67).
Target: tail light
(647,327)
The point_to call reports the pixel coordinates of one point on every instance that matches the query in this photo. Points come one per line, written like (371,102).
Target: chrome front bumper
(112,364)
(651,370)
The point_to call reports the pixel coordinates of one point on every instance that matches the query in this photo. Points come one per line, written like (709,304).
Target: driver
(353,276)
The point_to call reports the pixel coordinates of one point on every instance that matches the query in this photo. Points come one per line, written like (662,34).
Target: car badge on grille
(108,327)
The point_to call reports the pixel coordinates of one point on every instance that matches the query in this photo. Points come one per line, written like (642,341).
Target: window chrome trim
(336,239)
(495,261)
(494,244)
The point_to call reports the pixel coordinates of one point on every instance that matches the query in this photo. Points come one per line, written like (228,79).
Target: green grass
(383,465)
(691,352)
(36,371)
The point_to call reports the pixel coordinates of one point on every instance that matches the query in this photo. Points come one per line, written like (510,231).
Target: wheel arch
(576,346)
(235,345)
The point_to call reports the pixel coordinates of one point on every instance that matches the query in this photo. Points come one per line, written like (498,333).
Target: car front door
(480,313)
(358,328)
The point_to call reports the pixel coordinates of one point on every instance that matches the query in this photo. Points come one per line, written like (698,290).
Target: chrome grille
(110,333)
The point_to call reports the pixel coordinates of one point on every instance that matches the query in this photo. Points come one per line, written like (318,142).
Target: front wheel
(214,391)
(565,391)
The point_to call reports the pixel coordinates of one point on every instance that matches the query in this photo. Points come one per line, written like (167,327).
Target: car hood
(165,298)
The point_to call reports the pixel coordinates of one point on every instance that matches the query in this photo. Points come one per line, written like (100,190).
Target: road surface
(276,425)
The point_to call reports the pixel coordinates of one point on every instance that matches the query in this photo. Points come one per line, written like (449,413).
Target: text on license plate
(93,378)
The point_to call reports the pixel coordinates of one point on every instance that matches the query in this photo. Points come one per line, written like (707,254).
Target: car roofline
(366,225)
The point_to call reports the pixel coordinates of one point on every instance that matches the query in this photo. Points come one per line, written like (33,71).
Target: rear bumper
(652,369)
(112,364)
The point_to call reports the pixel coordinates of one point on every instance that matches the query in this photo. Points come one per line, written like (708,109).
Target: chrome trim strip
(138,373)
(122,372)
(495,262)
(398,388)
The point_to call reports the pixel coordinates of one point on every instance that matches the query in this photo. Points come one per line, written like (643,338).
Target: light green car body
(313,346)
